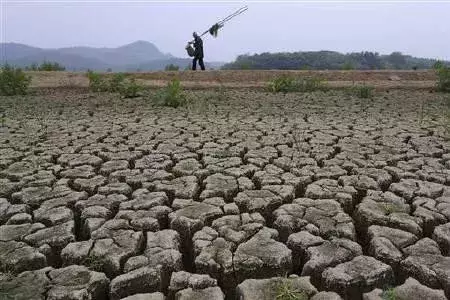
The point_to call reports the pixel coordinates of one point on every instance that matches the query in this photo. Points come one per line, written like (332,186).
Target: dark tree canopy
(329,60)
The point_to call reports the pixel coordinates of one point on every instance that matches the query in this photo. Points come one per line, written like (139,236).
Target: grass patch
(118,83)
(389,208)
(94,263)
(96,82)
(285,291)
(443,81)
(172,95)
(363,91)
(13,81)
(389,294)
(287,84)
(130,89)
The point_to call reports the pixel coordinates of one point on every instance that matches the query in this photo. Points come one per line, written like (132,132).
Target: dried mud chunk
(115,188)
(7,210)
(84,171)
(262,256)
(219,185)
(8,187)
(19,257)
(183,280)
(210,293)
(330,189)
(261,201)
(429,269)
(57,236)
(154,161)
(89,185)
(34,196)
(18,170)
(269,289)
(362,274)
(386,209)
(18,232)
(75,160)
(193,216)
(433,212)
(77,282)
(163,252)
(187,167)
(324,215)
(410,290)
(29,285)
(182,187)
(441,235)
(329,254)
(142,280)
(410,188)
(114,165)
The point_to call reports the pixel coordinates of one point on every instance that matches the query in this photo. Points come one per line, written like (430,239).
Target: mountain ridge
(138,55)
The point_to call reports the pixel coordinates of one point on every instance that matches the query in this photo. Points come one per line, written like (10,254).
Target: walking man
(198,53)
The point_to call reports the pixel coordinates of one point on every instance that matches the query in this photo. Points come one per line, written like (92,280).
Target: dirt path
(385,79)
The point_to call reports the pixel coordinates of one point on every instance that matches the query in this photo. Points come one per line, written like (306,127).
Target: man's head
(195,35)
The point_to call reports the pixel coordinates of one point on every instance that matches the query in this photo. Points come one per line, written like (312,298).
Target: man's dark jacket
(198,45)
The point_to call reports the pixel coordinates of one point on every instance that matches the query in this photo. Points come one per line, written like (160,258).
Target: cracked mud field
(240,195)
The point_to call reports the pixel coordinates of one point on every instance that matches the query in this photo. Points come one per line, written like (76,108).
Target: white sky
(417,28)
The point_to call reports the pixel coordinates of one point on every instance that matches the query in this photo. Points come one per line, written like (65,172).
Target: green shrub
(348,66)
(443,82)
(130,89)
(286,84)
(363,91)
(172,95)
(285,291)
(438,65)
(97,82)
(51,66)
(389,294)
(171,67)
(13,81)
(116,82)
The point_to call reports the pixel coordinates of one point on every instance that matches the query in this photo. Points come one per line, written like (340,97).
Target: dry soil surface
(241,194)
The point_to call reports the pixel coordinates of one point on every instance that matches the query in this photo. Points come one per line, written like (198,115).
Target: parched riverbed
(239,195)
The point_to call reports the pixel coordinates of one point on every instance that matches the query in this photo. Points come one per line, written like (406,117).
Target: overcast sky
(420,29)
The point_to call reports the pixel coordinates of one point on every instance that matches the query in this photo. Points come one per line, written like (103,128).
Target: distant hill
(140,55)
(330,60)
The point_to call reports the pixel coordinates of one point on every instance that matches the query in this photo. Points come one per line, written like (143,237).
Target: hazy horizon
(418,29)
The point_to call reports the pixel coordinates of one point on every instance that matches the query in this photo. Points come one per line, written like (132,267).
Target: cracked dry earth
(321,194)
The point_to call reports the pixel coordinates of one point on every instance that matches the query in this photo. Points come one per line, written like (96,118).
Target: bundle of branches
(214,30)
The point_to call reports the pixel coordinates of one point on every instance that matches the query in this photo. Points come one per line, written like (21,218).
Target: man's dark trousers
(200,62)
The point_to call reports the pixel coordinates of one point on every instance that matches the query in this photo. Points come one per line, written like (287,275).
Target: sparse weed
(94,263)
(116,82)
(127,88)
(443,82)
(389,294)
(446,118)
(363,91)
(286,84)
(172,95)
(389,208)
(51,66)
(285,291)
(3,118)
(13,81)
(348,66)
(172,67)
(130,89)
(96,82)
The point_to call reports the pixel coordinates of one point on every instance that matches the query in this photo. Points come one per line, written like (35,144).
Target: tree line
(329,60)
